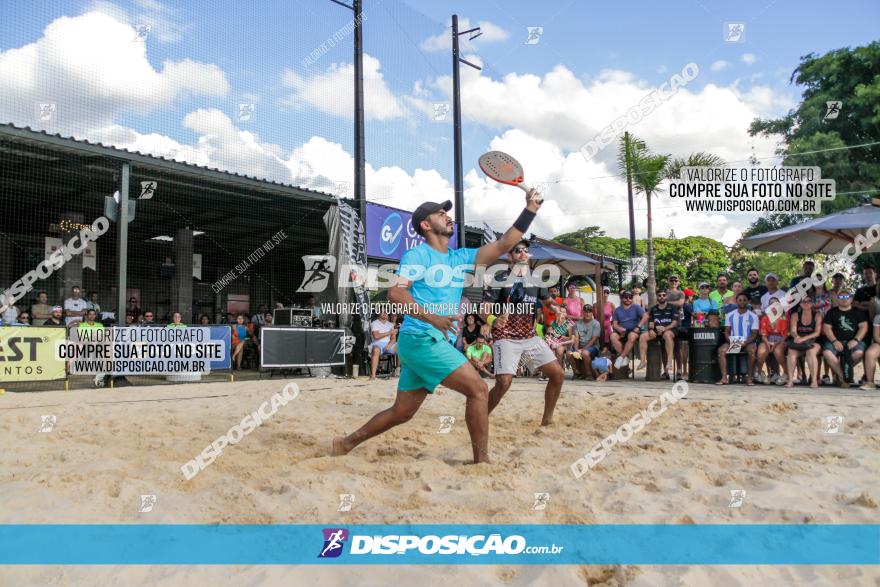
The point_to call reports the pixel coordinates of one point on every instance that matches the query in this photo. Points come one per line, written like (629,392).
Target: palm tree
(648,170)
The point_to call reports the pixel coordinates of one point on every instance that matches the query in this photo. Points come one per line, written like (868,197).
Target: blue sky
(594,58)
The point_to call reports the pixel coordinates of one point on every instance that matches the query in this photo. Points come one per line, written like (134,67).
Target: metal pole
(122,245)
(456,125)
(360,182)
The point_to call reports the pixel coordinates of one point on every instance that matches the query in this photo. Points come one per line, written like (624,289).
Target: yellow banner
(28,353)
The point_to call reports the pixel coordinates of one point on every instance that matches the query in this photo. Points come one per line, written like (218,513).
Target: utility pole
(456,123)
(360,190)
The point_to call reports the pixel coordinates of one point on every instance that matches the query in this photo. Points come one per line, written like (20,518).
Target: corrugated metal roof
(26,133)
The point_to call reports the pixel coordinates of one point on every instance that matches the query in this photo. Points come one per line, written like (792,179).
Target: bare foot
(814,384)
(372,377)
(339,448)
(602,377)
(641,366)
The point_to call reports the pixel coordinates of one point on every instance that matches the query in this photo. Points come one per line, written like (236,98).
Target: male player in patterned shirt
(514,333)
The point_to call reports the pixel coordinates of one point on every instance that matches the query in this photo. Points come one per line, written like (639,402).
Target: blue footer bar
(296,544)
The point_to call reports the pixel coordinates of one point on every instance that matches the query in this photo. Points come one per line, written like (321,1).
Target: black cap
(426,210)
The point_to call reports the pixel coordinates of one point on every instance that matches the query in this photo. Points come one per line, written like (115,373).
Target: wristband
(525,219)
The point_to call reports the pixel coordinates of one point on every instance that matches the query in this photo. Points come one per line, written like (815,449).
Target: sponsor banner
(28,353)
(741,544)
(390,232)
(135,350)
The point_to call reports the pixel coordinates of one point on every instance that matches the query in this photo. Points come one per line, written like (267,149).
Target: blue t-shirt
(702,306)
(629,319)
(437,282)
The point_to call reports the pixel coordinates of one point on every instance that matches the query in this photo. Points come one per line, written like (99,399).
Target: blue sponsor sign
(288,544)
(222,334)
(390,232)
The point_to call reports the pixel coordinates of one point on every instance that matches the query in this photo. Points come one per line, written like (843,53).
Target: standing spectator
(755,290)
(806,328)
(549,314)
(703,305)
(836,286)
(625,328)
(721,295)
(587,331)
(862,298)
(573,303)
(821,299)
(807,271)
(607,315)
(674,296)
(92,303)
(41,311)
(845,330)
(741,325)
(260,317)
(133,308)
(74,306)
(90,322)
(662,321)
(773,291)
(55,319)
(773,335)
(638,298)
(312,304)
(470,331)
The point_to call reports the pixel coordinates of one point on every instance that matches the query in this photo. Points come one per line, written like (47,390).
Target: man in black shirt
(864,294)
(663,320)
(755,289)
(845,329)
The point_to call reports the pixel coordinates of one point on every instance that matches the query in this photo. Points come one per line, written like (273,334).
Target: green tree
(852,77)
(580,239)
(648,171)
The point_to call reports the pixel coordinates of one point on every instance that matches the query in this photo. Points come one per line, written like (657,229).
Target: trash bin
(704,355)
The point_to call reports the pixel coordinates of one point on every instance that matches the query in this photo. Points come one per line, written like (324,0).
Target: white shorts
(532,352)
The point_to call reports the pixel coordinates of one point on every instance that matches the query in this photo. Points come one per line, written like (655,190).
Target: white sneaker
(617,362)
(759,378)
(781,380)
(774,378)
(625,361)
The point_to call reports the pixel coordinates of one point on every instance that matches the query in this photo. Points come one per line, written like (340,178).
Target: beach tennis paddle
(503,168)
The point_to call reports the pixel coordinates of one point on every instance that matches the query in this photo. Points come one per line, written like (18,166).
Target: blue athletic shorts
(426,359)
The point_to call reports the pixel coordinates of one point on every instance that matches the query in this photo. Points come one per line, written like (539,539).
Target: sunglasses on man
(844,297)
(519,250)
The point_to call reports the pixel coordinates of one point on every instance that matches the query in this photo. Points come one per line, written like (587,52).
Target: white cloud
(330,91)
(165,24)
(718,65)
(92,69)
(492,33)
(749,58)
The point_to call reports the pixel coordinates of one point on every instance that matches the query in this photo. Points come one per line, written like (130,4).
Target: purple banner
(390,232)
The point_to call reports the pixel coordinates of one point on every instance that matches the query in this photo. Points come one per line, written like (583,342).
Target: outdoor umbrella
(826,234)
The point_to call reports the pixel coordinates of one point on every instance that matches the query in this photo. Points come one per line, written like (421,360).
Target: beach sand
(108,447)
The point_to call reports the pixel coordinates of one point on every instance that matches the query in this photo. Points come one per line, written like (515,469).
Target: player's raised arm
(490,252)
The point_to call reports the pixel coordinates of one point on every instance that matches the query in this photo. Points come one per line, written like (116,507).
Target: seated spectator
(559,336)
(625,328)
(871,357)
(384,335)
(773,335)
(267,319)
(148,318)
(204,320)
(24,319)
(740,326)
(845,329)
(587,331)
(129,319)
(805,330)
(242,333)
(55,319)
(662,322)
(480,355)
(41,311)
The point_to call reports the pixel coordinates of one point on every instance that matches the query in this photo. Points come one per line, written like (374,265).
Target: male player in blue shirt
(429,286)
